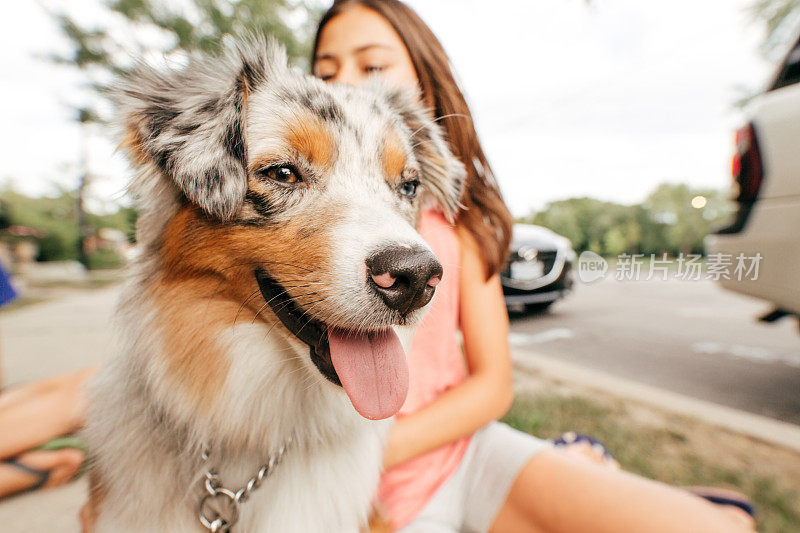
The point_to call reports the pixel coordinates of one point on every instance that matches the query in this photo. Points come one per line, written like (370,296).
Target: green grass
(674,450)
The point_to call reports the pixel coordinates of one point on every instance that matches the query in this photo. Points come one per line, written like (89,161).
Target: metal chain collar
(219,508)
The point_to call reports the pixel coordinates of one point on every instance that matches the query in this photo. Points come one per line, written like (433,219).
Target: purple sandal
(724,497)
(570,437)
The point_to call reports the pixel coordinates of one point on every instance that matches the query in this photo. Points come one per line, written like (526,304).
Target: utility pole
(84,230)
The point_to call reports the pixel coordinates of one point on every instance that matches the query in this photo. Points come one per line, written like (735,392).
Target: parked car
(766,184)
(539,269)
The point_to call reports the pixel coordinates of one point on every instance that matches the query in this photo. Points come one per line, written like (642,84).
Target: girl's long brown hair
(485,214)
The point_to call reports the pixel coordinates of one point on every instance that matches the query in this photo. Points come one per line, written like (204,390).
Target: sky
(605,100)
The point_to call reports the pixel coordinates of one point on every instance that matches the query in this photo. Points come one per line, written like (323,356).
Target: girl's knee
(73,385)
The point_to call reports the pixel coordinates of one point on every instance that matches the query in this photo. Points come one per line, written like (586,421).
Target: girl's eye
(281,174)
(372,69)
(409,188)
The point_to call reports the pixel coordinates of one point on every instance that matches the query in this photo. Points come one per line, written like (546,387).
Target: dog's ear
(442,174)
(190,121)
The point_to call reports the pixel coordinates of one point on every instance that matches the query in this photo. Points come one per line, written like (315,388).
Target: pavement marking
(760,427)
(755,354)
(553,334)
(711,312)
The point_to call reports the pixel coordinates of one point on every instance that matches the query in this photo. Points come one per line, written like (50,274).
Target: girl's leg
(34,413)
(556,493)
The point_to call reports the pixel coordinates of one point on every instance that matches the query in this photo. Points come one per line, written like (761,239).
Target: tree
(666,222)
(602,227)
(686,224)
(53,218)
(52,222)
(127,30)
(781,19)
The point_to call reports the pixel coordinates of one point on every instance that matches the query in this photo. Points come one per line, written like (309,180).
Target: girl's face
(360,43)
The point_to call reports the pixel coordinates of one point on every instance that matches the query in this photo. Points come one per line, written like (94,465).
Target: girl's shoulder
(438,232)
(433,218)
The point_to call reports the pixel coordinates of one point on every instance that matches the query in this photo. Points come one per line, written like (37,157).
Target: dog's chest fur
(150,461)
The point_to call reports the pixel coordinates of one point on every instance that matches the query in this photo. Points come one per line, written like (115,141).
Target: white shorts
(470,499)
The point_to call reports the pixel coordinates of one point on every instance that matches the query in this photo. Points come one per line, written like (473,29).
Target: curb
(756,426)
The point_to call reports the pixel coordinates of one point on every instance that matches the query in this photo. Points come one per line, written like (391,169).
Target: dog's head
(308,193)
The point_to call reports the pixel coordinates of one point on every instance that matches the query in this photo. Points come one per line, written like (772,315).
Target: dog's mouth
(370,366)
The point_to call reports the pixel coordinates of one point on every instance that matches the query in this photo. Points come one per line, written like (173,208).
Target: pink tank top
(435,364)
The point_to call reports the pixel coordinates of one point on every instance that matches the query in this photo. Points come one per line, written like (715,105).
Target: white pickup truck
(766,182)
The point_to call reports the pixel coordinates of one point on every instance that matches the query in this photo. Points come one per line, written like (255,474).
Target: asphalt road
(689,337)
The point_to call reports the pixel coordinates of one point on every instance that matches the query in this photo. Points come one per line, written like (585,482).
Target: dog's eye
(281,173)
(409,188)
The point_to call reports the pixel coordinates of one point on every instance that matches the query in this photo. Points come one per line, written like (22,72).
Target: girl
(449,465)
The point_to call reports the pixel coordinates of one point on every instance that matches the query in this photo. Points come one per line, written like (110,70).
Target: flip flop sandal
(570,437)
(725,497)
(58,443)
(68,441)
(42,475)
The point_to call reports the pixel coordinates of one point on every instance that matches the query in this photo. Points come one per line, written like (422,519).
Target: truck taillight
(747,170)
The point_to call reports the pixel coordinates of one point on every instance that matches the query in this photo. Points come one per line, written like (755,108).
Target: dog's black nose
(405,278)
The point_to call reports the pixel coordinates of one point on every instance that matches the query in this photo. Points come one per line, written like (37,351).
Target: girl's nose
(349,75)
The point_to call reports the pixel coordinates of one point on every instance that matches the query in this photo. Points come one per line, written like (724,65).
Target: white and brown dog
(279,253)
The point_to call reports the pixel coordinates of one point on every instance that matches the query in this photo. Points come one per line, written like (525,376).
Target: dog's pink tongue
(373,370)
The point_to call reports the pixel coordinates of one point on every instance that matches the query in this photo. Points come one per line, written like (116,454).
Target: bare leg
(34,413)
(556,493)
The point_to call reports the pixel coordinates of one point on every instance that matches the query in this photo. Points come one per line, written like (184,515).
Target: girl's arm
(486,393)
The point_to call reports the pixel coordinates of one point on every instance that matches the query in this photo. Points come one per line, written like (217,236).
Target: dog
(259,352)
